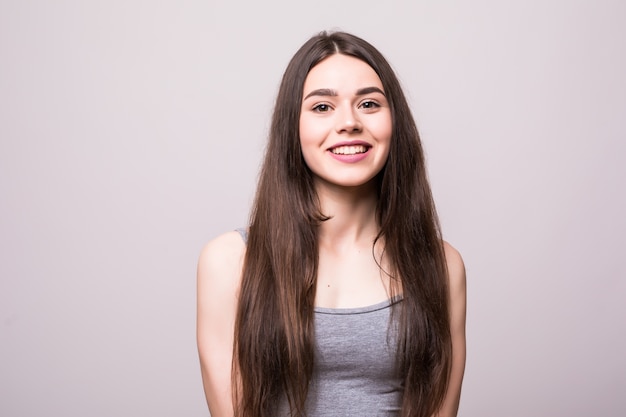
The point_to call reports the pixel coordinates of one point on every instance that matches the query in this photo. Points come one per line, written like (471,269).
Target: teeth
(349,150)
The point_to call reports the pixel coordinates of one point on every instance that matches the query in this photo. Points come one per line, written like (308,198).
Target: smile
(349,150)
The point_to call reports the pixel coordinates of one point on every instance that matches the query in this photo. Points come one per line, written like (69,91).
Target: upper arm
(219,275)
(457,307)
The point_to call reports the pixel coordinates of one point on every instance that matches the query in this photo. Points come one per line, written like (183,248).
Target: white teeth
(349,150)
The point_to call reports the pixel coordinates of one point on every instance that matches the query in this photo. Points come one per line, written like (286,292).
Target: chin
(348,183)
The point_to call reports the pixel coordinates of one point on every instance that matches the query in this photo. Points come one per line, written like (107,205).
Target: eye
(370,104)
(321,108)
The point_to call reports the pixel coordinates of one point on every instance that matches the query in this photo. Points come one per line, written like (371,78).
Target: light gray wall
(131,133)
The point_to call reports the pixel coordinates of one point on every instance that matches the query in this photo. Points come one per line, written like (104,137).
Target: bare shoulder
(456,279)
(226,246)
(221,259)
(219,275)
(456,268)
(220,265)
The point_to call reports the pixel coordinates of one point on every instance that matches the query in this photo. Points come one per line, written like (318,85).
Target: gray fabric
(354,373)
(244,234)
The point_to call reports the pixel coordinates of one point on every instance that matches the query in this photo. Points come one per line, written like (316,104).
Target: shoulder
(456,268)
(224,247)
(219,275)
(457,306)
(220,261)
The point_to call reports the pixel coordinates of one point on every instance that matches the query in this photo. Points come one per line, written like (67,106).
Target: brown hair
(274,334)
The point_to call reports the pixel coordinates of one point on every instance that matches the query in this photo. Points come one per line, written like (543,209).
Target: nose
(348,120)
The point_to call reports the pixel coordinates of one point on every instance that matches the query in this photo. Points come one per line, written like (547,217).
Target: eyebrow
(327,92)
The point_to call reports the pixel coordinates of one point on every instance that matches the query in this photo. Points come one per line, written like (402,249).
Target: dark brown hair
(274,335)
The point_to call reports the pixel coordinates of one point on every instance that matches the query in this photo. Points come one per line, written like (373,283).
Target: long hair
(273,353)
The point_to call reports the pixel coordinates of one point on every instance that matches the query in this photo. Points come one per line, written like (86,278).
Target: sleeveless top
(355,370)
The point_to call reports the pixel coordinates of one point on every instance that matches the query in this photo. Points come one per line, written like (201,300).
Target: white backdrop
(131,133)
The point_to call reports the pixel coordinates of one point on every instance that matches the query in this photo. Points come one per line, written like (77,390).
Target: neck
(352,212)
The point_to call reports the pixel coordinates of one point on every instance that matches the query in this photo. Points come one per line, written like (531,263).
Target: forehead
(341,72)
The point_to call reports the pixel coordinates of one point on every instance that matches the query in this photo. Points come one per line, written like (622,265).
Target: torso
(355,340)
(355,370)
(350,277)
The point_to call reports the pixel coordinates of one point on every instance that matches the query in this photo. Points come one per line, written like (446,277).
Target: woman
(341,298)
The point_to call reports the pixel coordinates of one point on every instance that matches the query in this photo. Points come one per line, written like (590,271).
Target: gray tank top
(355,372)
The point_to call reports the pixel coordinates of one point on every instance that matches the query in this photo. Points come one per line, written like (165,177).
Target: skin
(340,105)
(348,275)
(344,103)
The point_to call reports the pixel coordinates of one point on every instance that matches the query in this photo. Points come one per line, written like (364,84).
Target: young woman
(340,298)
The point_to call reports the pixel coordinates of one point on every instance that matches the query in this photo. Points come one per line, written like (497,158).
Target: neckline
(359,310)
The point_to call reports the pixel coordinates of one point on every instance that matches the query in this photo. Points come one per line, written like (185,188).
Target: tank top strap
(244,233)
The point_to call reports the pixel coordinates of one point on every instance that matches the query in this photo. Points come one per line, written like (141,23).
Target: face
(345,122)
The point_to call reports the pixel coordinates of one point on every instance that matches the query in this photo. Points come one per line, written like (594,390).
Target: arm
(219,275)
(456,276)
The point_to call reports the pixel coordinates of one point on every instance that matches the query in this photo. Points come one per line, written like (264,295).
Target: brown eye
(321,108)
(370,104)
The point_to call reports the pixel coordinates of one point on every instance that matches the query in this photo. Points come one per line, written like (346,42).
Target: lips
(350,152)
(350,148)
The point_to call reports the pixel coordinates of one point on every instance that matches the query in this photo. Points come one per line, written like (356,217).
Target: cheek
(379,125)
(312,132)
(383,132)
(307,140)
(384,135)
(306,123)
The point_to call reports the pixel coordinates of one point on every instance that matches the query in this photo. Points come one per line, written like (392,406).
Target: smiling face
(345,122)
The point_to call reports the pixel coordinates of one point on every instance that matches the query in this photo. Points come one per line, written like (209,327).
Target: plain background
(132,131)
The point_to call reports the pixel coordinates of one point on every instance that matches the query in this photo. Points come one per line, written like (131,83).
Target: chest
(355,344)
(355,371)
(350,279)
